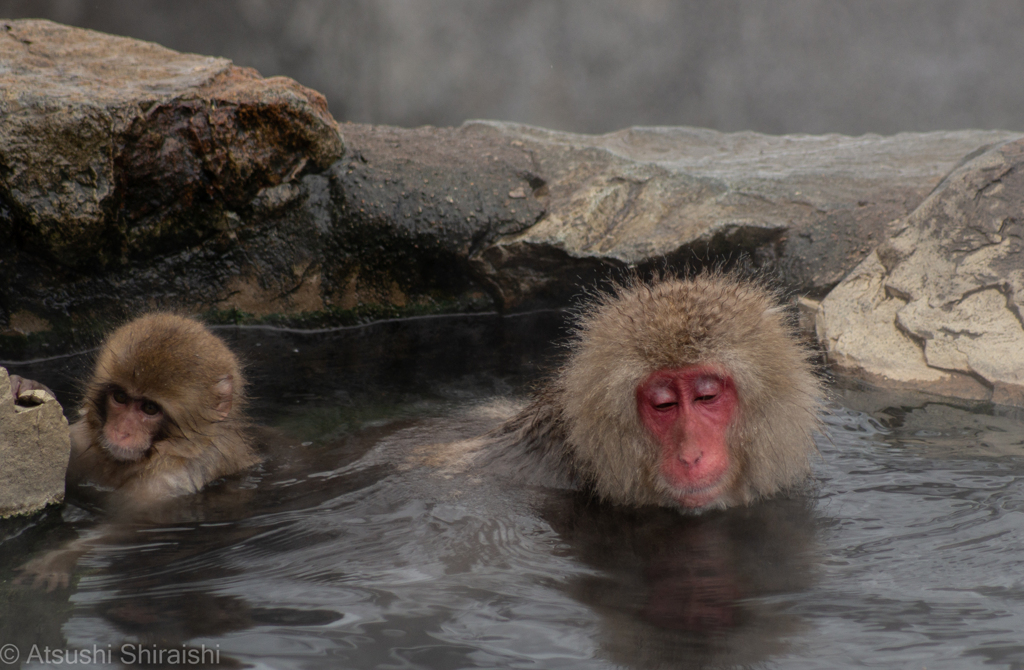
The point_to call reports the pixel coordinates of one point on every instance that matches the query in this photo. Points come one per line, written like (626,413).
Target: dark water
(906,551)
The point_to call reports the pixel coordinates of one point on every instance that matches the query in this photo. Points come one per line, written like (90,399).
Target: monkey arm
(54,568)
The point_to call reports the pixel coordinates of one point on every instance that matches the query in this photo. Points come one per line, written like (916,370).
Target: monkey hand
(52,570)
(20,388)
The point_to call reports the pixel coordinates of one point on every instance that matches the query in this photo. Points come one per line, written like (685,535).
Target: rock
(34,451)
(116,149)
(126,170)
(937,307)
(542,213)
(133,177)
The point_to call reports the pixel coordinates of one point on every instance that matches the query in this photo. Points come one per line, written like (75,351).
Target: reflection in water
(676,591)
(29,617)
(906,551)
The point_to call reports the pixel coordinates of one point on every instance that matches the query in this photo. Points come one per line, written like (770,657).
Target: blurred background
(593,66)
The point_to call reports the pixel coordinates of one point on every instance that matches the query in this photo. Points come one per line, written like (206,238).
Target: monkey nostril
(690,461)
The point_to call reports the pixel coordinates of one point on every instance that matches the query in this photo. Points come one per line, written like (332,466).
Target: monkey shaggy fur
(584,424)
(177,363)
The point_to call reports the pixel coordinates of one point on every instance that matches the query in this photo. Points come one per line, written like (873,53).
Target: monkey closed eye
(707,388)
(663,398)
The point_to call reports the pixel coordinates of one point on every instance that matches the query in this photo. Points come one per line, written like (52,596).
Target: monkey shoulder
(530,447)
(174,467)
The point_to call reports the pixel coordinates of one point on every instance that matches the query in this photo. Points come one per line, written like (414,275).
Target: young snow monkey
(162,418)
(163,413)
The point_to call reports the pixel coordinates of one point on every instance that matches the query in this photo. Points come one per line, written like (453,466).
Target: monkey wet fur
(163,413)
(691,394)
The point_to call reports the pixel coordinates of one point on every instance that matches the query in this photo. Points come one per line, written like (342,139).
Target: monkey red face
(130,425)
(688,411)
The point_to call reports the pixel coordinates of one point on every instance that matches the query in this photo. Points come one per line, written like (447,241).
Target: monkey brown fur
(587,426)
(190,380)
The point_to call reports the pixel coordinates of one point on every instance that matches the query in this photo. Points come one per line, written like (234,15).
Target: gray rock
(34,451)
(538,213)
(810,207)
(134,177)
(937,307)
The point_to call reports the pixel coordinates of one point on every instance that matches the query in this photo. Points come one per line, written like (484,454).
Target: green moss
(229,317)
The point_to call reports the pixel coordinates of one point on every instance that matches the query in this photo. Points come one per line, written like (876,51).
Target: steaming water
(906,551)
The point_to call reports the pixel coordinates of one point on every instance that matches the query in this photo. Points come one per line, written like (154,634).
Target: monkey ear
(224,389)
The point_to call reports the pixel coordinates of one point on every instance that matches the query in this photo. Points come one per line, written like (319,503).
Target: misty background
(593,66)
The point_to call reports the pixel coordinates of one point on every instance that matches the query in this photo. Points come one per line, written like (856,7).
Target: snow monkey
(162,418)
(163,412)
(692,394)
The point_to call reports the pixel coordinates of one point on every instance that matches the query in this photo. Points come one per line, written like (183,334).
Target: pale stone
(34,451)
(857,325)
(937,306)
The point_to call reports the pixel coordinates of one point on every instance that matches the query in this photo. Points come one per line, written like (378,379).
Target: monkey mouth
(698,497)
(121,453)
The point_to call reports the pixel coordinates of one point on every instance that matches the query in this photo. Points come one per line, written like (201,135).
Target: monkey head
(688,393)
(160,376)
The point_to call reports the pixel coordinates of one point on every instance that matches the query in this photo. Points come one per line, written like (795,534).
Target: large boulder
(809,207)
(117,154)
(531,215)
(114,148)
(937,307)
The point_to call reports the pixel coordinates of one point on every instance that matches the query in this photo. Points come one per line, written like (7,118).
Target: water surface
(906,550)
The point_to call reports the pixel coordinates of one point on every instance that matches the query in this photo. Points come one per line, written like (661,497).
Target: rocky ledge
(937,306)
(133,177)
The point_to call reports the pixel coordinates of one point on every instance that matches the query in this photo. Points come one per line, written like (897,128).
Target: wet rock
(34,451)
(126,168)
(114,148)
(542,213)
(133,177)
(415,206)
(937,307)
